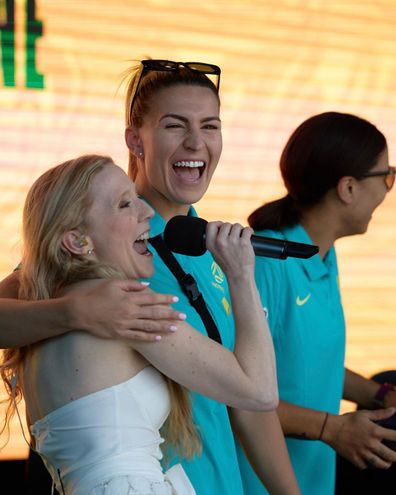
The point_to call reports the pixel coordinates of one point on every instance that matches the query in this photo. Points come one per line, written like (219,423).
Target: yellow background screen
(282,61)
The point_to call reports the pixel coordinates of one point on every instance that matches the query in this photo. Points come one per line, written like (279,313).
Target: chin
(143,268)
(192,197)
(361,231)
(146,269)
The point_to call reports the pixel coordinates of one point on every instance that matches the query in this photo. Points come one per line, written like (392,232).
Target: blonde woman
(95,406)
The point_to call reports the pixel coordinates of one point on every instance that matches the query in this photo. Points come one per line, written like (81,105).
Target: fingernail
(175,299)
(145,283)
(158,337)
(182,316)
(173,328)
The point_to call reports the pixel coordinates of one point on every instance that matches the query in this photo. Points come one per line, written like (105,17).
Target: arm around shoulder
(9,286)
(45,318)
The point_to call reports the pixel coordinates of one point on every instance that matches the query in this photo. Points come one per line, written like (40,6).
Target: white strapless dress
(108,442)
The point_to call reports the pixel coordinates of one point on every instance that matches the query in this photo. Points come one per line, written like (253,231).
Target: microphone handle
(281,249)
(268,247)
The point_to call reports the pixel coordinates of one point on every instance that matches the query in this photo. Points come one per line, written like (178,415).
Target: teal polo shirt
(306,319)
(216,471)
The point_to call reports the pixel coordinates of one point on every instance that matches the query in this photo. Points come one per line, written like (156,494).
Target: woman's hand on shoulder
(122,309)
(231,247)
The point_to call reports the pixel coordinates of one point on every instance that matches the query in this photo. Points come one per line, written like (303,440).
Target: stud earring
(90,251)
(141,154)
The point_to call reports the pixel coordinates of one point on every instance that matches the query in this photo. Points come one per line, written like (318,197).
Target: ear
(346,189)
(133,141)
(77,243)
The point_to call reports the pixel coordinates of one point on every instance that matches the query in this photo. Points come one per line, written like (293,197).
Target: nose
(194,140)
(145,211)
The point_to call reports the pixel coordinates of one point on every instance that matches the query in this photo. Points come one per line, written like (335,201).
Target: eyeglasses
(389,176)
(169,65)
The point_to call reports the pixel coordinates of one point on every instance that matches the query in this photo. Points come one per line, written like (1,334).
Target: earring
(141,154)
(90,251)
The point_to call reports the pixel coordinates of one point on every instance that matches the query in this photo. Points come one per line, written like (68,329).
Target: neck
(321,226)
(328,221)
(162,205)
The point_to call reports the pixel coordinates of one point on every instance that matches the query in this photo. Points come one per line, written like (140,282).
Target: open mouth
(189,170)
(140,245)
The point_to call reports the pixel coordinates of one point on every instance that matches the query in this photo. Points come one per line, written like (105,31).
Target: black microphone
(186,235)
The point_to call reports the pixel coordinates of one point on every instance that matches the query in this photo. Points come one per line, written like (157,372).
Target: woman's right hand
(231,247)
(358,438)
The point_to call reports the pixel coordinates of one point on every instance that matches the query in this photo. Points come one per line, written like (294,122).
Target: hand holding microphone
(187,235)
(231,248)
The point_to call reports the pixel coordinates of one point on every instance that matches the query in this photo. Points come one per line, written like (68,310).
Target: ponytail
(275,215)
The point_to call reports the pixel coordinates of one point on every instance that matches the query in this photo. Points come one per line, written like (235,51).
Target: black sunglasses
(169,65)
(389,176)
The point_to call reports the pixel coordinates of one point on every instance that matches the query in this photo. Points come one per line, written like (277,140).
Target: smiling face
(117,223)
(180,141)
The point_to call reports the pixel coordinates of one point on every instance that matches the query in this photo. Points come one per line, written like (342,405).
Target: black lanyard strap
(188,285)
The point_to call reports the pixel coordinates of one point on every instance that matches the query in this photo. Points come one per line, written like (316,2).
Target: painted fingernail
(145,283)
(182,316)
(175,299)
(173,328)
(158,337)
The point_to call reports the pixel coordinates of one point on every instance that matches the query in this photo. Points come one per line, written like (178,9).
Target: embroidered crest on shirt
(217,273)
(219,278)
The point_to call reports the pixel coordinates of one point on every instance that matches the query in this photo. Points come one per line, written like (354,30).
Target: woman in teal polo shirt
(336,171)
(174,137)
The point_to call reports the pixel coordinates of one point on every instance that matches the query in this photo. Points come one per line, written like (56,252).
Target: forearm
(9,286)
(354,435)
(253,343)
(26,322)
(262,439)
(359,389)
(300,422)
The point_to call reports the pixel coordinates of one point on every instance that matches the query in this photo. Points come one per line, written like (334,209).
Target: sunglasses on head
(389,176)
(169,66)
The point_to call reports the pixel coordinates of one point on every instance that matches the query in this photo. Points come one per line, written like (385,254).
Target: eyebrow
(127,192)
(184,119)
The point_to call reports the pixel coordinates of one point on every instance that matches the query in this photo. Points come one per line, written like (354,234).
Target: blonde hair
(56,203)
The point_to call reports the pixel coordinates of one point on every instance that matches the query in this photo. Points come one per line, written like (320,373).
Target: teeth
(144,236)
(190,164)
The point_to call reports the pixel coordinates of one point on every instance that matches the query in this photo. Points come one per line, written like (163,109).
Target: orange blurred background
(282,61)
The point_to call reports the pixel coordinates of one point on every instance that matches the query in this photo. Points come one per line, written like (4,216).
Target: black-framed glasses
(169,65)
(389,176)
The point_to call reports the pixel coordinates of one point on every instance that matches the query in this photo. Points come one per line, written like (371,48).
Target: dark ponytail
(275,215)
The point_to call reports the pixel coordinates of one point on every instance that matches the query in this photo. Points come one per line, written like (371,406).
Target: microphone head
(300,250)
(186,235)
